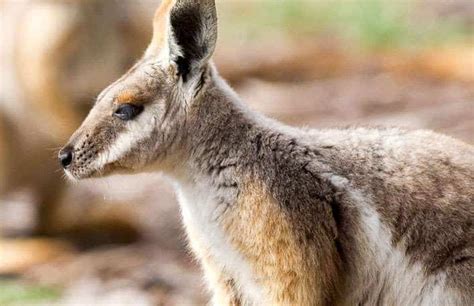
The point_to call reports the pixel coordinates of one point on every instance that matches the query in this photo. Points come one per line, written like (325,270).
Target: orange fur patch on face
(160,26)
(128,97)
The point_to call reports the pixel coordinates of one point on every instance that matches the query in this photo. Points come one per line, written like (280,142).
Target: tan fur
(261,232)
(160,24)
(128,96)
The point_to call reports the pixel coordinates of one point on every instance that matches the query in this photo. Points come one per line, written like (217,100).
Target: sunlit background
(318,63)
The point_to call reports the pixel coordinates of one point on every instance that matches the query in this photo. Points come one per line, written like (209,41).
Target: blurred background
(317,63)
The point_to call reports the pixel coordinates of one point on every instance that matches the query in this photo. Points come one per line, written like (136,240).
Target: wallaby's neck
(219,129)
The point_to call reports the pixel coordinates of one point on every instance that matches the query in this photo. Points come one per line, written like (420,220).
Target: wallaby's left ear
(185,32)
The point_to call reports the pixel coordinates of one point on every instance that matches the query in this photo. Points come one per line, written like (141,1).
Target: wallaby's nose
(65,156)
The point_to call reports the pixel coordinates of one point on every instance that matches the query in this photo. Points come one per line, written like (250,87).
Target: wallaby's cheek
(124,148)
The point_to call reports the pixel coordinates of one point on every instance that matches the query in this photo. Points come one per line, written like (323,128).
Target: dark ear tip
(194,25)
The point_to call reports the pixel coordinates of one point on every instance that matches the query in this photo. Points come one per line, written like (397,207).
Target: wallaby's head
(138,118)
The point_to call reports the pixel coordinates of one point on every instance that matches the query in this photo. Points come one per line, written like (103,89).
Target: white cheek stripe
(135,132)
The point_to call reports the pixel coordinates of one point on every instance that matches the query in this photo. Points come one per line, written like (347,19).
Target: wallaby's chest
(252,243)
(204,216)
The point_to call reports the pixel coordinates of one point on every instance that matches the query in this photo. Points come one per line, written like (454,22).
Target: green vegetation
(19,294)
(369,23)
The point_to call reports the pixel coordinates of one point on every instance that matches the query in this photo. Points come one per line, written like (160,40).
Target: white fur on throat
(198,207)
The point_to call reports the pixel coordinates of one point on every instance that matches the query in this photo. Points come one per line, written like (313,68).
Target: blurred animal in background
(55,57)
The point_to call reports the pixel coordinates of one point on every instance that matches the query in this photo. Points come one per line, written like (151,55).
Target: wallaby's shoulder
(399,156)
(386,164)
(409,147)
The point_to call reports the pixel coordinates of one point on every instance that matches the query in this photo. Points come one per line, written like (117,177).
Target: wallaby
(279,215)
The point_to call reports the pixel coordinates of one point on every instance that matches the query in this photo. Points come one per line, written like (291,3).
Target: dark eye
(128,111)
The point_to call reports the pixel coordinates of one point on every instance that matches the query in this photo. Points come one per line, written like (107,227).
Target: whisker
(59,170)
(64,177)
(53,148)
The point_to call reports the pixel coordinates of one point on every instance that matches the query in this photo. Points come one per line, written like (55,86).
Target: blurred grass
(373,24)
(19,294)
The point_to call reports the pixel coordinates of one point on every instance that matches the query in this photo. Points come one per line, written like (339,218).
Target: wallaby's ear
(185,32)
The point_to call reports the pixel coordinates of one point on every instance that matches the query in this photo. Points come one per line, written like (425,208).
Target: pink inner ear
(160,26)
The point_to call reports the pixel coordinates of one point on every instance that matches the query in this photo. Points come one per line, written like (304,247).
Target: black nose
(65,156)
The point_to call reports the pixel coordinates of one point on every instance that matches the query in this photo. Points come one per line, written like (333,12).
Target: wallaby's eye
(128,111)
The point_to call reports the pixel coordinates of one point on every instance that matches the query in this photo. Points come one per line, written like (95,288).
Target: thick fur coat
(279,215)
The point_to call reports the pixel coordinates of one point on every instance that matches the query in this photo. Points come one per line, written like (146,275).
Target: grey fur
(420,183)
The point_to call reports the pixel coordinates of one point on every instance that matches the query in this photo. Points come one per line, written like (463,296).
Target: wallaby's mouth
(76,173)
(75,176)
(87,153)
(81,162)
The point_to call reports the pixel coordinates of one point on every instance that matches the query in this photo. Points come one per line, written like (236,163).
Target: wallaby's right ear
(184,32)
